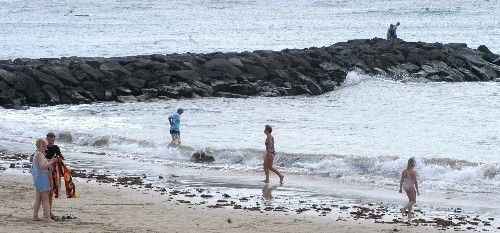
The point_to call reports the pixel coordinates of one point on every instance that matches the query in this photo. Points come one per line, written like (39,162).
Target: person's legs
(45,206)
(412,197)
(50,204)
(36,206)
(277,173)
(266,169)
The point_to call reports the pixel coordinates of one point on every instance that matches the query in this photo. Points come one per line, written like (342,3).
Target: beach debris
(229,220)
(160,177)
(201,157)
(12,165)
(300,210)
(226,195)
(206,195)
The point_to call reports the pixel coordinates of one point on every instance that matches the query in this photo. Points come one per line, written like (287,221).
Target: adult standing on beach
(40,174)
(269,157)
(53,151)
(409,183)
(175,123)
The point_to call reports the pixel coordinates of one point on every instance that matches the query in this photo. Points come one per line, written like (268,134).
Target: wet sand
(105,208)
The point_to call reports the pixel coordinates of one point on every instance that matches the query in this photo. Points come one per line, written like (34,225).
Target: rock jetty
(310,71)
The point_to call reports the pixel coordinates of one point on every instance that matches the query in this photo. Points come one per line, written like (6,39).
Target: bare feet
(36,219)
(402,210)
(281,179)
(48,220)
(265,181)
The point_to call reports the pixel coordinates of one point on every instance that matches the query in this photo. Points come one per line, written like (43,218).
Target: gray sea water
(55,28)
(363,132)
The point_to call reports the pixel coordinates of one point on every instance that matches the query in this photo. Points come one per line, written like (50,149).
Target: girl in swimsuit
(269,157)
(409,183)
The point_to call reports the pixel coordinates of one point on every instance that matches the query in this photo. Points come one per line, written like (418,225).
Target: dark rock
(257,71)
(312,85)
(69,95)
(187,75)
(150,93)
(114,67)
(168,91)
(143,75)
(223,65)
(123,91)
(183,89)
(202,89)
(86,72)
(201,156)
(484,49)
(236,62)
(134,84)
(109,95)
(144,64)
(6,76)
(51,93)
(243,89)
(43,78)
(95,88)
(62,74)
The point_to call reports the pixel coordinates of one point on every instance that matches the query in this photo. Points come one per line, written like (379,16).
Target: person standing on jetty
(40,173)
(269,157)
(175,123)
(392,33)
(409,183)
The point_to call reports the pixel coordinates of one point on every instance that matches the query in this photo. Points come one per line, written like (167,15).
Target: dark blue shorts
(175,132)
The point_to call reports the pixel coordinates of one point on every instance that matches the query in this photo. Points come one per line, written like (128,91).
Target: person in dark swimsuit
(269,157)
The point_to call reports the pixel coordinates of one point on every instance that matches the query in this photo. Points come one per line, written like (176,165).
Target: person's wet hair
(51,135)
(269,129)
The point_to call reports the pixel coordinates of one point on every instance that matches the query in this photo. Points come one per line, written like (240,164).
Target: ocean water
(55,28)
(363,132)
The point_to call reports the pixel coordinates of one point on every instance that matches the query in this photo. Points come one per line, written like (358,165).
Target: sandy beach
(107,208)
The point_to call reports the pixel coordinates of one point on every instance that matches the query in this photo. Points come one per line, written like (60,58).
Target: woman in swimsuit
(269,157)
(409,183)
(40,174)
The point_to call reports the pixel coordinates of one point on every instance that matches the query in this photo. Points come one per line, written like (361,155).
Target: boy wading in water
(409,183)
(175,123)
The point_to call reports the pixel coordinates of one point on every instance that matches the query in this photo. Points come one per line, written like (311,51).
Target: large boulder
(202,89)
(167,91)
(44,78)
(243,89)
(187,76)
(312,85)
(95,88)
(114,67)
(53,96)
(71,96)
(6,76)
(34,92)
(85,71)
(62,74)
(223,65)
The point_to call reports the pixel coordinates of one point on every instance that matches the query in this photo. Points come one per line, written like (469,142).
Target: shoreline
(218,190)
